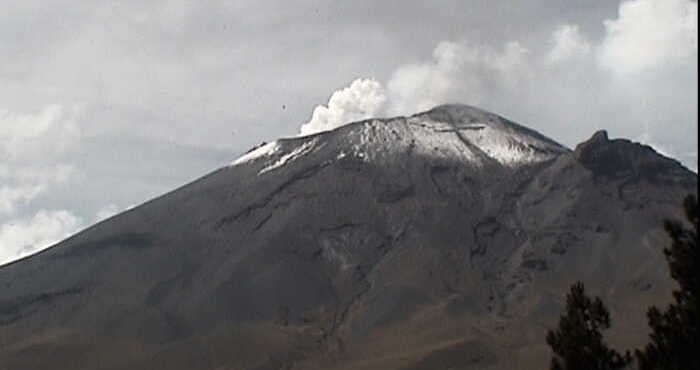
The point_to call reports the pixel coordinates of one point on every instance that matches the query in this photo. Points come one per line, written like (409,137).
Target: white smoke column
(417,87)
(362,99)
(458,73)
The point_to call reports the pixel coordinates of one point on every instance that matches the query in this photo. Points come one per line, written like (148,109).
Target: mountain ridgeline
(447,239)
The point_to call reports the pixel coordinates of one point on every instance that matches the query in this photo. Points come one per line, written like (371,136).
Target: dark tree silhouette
(674,336)
(578,342)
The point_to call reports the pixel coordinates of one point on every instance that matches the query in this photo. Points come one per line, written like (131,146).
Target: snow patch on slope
(388,140)
(265,150)
(459,133)
(437,139)
(493,136)
(508,148)
(291,156)
(276,154)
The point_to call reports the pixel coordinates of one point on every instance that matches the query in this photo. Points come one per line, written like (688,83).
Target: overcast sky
(104,105)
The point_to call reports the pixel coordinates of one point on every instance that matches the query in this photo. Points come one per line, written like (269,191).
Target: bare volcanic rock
(447,239)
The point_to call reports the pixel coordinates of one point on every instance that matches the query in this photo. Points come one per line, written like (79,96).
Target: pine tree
(674,337)
(578,342)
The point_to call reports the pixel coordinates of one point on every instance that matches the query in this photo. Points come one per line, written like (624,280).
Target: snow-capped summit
(458,133)
(501,139)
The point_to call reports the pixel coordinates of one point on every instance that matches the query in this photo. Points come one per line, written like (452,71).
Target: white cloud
(22,237)
(458,73)
(31,136)
(31,150)
(363,98)
(106,212)
(12,197)
(569,43)
(649,34)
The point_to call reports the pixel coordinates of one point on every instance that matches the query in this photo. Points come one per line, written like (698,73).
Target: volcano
(447,239)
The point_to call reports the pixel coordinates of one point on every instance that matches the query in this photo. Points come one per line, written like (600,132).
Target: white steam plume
(362,99)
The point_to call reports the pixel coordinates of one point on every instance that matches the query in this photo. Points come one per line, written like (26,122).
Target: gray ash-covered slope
(447,239)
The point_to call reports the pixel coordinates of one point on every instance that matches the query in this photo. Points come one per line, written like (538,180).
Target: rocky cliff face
(442,240)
